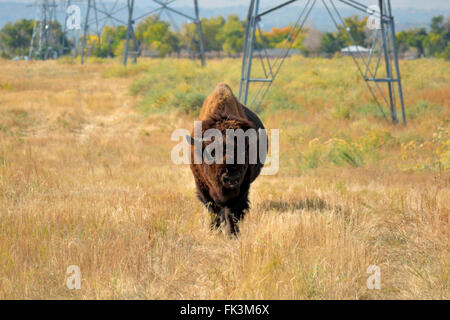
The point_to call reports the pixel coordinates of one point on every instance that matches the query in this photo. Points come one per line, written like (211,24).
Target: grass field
(86,179)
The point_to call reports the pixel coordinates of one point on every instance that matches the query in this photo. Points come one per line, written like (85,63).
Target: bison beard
(224,188)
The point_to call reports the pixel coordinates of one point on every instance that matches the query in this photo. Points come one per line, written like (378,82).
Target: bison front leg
(231,221)
(215,222)
(214,213)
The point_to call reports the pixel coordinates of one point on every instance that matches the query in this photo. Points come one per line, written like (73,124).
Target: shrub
(341,112)
(189,103)
(342,152)
(311,158)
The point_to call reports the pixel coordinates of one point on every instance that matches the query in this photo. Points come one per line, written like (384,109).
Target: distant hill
(405,17)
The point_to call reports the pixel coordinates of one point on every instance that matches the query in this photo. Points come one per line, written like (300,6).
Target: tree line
(222,35)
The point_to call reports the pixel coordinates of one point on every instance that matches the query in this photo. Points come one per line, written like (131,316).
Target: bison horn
(191,140)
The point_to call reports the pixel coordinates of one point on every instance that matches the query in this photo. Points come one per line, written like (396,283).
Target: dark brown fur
(222,111)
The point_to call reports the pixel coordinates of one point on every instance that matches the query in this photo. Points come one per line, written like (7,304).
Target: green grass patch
(420,108)
(67,60)
(369,110)
(121,71)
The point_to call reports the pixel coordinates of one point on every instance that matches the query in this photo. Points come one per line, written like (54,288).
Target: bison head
(223,171)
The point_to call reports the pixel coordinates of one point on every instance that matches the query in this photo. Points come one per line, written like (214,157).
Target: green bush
(189,103)
(341,112)
(342,152)
(311,158)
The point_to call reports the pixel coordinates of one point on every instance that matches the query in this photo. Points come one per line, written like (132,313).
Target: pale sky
(428,4)
(419,4)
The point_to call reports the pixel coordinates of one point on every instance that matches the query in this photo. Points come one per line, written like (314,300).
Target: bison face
(226,173)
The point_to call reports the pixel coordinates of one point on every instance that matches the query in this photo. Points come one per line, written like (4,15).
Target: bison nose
(230,180)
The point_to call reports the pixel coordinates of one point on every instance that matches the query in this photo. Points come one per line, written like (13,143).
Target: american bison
(223,186)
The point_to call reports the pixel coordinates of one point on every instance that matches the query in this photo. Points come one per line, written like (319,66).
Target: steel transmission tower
(98,14)
(42,29)
(50,32)
(382,51)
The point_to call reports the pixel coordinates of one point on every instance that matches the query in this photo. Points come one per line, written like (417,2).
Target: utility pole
(255,48)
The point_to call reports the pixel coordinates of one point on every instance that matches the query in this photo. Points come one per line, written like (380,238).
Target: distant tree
(446,53)
(437,24)
(218,34)
(156,34)
(438,38)
(312,41)
(447,30)
(232,35)
(190,38)
(278,37)
(413,38)
(330,43)
(435,44)
(211,29)
(354,29)
(15,38)
(111,40)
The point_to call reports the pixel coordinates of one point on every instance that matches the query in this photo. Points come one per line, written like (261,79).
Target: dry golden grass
(87,180)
